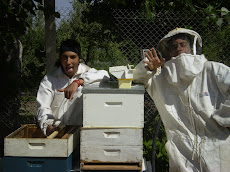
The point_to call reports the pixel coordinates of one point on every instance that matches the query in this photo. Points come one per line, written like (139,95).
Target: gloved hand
(50,125)
(51,128)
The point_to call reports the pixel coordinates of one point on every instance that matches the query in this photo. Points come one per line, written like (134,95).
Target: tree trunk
(50,35)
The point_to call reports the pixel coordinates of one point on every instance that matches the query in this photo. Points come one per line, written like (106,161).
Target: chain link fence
(8,118)
(146,33)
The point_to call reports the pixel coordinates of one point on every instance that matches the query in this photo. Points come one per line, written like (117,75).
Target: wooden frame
(134,167)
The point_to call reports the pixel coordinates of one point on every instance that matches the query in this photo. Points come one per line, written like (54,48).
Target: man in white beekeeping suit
(192,97)
(59,97)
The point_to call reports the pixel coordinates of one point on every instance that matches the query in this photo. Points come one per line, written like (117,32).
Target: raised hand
(154,61)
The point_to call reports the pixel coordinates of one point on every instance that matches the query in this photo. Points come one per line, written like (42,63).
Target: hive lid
(112,87)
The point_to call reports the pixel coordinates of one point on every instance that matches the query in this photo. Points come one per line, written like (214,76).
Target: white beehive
(113,121)
(111,145)
(108,106)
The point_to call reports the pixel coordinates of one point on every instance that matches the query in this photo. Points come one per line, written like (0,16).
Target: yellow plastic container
(125,83)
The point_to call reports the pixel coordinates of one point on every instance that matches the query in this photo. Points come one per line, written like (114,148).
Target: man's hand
(70,89)
(154,61)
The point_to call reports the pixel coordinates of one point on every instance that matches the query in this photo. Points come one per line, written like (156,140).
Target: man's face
(179,46)
(69,62)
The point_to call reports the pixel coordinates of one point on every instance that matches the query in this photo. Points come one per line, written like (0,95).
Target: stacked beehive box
(27,150)
(112,132)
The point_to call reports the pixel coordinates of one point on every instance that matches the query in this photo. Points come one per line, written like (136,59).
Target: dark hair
(68,45)
(183,36)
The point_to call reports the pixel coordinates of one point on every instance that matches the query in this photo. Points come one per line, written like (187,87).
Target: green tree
(34,59)
(13,24)
(217,45)
(100,46)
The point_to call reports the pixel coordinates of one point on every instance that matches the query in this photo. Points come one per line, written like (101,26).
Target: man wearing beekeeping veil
(192,97)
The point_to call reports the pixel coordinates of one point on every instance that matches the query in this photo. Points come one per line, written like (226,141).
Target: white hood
(163,47)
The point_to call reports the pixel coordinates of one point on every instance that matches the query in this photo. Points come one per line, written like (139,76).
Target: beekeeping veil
(163,47)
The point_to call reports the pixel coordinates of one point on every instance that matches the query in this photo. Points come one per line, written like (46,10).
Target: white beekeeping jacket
(52,104)
(192,97)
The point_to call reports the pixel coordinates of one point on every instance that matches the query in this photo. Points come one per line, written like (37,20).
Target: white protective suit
(53,107)
(192,97)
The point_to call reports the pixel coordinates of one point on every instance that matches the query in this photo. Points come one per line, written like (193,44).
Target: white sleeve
(94,75)
(222,115)
(44,99)
(142,74)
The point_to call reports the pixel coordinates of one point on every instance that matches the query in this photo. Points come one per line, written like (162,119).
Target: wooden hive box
(111,145)
(29,141)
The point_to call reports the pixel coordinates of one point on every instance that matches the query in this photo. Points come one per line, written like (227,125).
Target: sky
(63,3)
(63,7)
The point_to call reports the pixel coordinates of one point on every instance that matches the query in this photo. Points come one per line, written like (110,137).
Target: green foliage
(28,119)
(13,19)
(215,11)
(161,156)
(23,20)
(215,15)
(34,66)
(100,46)
(216,45)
